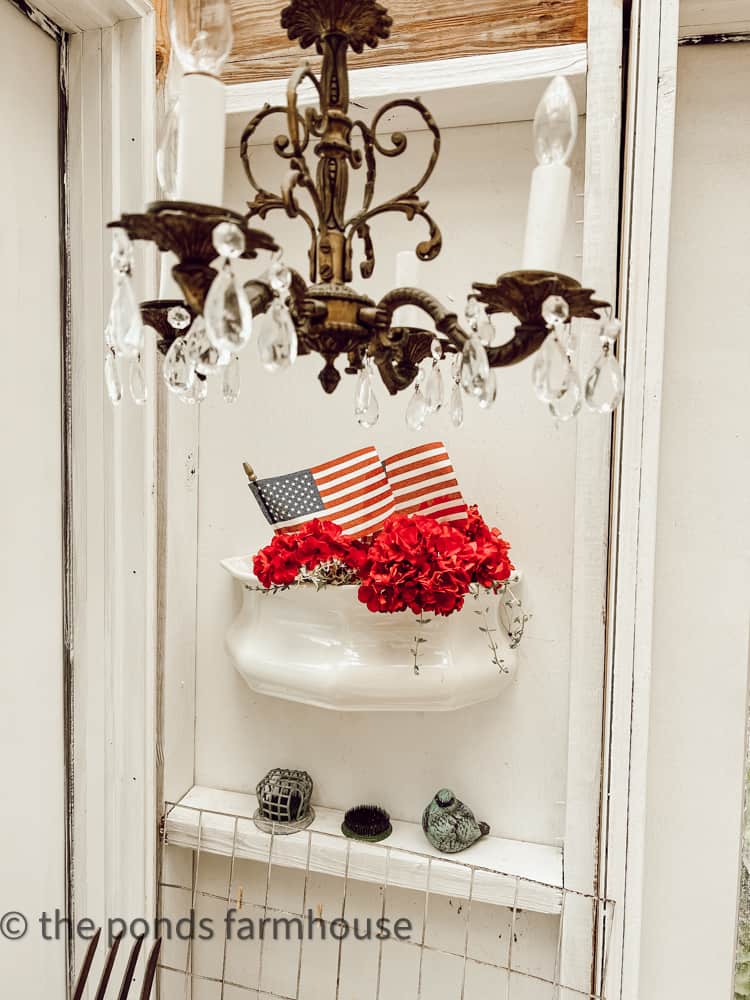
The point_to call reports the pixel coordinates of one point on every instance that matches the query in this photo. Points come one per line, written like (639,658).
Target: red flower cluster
(425,565)
(491,562)
(414,562)
(317,542)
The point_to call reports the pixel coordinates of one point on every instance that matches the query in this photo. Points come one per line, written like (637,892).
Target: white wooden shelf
(496,871)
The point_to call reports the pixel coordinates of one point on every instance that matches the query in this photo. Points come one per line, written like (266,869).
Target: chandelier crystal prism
(326,312)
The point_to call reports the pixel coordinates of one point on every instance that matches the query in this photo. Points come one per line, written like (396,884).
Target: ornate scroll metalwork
(320,147)
(332,317)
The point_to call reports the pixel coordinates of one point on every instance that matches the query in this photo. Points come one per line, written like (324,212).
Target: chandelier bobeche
(203,332)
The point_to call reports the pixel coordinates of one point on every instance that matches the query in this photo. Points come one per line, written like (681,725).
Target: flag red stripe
(419,450)
(347,483)
(406,498)
(385,511)
(335,476)
(425,463)
(440,515)
(407,484)
(369,450)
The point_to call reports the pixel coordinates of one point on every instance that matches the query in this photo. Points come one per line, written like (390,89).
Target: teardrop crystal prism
(362,392)
(475,366)
(369,417)
(486,331)
(166,155)
(550,369)
(566,405)
(277,341)
(122,255)
(416,411)
(196,393)
(137,382)
(205,358)
(112,378)
(125,322)
(434,390)
(227,313)
(489,394)
(230,384)
(179,370)
(457,406)
(604,385)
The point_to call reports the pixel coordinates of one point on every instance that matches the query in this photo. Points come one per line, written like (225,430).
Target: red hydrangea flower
(491,562)
(417,563)
(318,542)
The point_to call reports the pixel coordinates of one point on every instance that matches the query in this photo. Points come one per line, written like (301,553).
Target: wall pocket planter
(324,648)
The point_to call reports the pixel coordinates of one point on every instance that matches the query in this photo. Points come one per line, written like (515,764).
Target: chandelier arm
(525,342)
(369,159)
(446,322)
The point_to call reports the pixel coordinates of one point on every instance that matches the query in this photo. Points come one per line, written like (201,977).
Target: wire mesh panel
(385,924)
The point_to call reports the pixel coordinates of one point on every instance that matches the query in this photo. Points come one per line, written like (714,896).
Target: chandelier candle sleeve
(201,32)
(555,131)
(407,276)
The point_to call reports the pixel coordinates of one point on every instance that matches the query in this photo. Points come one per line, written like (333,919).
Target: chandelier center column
(334,151)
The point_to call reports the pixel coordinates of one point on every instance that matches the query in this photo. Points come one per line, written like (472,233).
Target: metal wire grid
(597,927)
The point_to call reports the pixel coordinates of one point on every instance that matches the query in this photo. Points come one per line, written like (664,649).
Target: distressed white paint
(700,659)
(220,822)
(649,130)
(493,754)
(713,16)
(32,836)
(592,506)
(237,733)
(471,90)
(114,564)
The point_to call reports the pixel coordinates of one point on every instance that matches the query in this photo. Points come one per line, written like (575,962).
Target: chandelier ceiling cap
(363,22)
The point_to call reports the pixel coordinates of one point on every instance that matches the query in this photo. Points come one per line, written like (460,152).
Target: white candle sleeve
(201,140)
(547,216)
(407,276)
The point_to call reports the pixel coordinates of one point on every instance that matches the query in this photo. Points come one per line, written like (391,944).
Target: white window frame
(113,573)
(108,75)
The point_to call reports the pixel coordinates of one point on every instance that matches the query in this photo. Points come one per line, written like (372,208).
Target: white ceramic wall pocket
(324,648)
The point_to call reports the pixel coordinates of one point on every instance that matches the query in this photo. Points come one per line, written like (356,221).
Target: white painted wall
(700,651)
(32,830)
(507,757)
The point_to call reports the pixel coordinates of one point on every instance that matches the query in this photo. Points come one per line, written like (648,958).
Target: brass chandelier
(203,327)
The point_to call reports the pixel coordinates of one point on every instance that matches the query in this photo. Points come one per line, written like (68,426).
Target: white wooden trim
(698,17)
(649,137)
(508,871)
(428,77)
(75,16)
(599,213)
(114,571)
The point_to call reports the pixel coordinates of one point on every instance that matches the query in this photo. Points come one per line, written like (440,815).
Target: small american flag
(351,491)
(423,482)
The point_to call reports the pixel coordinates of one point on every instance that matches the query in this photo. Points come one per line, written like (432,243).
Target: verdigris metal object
(284,801)
(449,825)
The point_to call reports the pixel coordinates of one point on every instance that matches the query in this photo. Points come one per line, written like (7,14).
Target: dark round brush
(369,823)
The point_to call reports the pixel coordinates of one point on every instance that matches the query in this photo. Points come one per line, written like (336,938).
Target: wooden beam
(438,29)
(163,46)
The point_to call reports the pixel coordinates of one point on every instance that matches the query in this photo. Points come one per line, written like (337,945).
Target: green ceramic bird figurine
(449,825)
